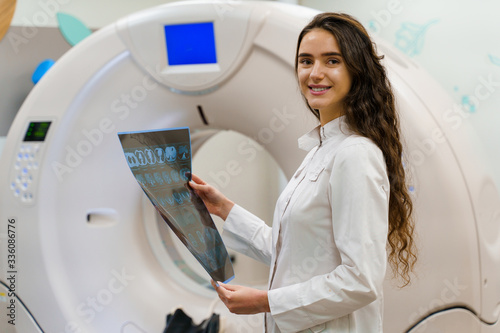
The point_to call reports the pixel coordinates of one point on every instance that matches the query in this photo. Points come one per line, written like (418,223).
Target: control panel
(27,161)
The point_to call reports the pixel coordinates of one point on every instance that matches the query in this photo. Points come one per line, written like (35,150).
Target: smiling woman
(323,76)
(7,8)
(334,50)
(346,201)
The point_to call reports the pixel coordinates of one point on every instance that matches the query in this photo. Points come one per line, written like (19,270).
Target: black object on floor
(179,322)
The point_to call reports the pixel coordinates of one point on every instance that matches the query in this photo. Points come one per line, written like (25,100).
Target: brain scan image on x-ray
(161,163)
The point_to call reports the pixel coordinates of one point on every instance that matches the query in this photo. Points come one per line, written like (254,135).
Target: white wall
(94,13)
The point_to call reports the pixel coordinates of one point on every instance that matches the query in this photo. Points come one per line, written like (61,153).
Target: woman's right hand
(214,200)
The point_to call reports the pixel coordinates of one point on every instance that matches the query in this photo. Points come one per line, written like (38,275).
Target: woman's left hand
(242,300)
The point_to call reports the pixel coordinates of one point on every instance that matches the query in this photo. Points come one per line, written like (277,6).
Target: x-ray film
(161,163)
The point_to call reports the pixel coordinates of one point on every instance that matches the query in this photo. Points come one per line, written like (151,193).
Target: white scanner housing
(89,253)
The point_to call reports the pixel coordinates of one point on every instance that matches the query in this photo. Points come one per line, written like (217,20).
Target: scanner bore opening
(245,172)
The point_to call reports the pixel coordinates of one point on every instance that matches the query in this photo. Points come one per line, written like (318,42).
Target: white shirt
(327,247)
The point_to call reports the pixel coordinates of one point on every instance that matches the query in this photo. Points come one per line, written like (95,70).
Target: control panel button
(25,170)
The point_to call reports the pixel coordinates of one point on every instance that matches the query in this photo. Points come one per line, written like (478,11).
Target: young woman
(345,206)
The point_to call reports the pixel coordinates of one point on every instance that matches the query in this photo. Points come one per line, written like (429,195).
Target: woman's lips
(318,90)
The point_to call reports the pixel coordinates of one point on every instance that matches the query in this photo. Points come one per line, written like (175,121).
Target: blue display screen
(190,44)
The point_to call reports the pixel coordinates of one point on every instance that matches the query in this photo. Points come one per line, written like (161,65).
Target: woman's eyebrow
(305,55)
(326,54)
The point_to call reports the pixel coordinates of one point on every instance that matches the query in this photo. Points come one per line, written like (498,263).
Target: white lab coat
(327,247)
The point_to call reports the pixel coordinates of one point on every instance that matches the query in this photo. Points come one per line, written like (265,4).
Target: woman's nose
(317,72)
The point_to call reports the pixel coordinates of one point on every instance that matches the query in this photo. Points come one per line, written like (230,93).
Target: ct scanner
(82,251)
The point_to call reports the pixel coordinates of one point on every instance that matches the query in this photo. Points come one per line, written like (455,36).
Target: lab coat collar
(337,128)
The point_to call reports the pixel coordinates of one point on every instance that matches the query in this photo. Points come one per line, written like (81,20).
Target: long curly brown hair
(370,112)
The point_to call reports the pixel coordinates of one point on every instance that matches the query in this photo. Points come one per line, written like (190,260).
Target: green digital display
(37,131)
